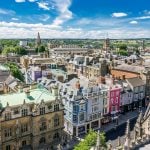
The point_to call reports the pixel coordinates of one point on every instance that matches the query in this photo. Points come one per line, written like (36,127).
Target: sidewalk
(122,119)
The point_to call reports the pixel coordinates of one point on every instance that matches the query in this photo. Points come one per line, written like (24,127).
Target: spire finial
(98,143)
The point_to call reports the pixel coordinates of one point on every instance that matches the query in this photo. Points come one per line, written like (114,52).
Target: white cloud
(65,14)
(24,30)
(143,17)
(119,14)
(147,12)
(32,0)
(14,19)
(6,12)
(19,1)
(133,22)
(44,17)
(26,25)
(43,5)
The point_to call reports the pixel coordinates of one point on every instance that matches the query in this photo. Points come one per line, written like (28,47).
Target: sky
(93,19)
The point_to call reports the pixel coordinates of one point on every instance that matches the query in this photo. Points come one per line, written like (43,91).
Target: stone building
(31,119)
(145,75)
(138,88)
(85,104)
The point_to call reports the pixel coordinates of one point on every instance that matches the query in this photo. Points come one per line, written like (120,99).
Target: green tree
(20,50)
(16,50)
(90,140)
(15,71)
(40,49)
(123,52)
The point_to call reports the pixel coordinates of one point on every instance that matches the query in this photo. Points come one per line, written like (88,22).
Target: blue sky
(75,18)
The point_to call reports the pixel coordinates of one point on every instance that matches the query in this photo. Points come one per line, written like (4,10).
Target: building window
(81,116)
(94,108)
(104,101)
(8,132)
(43,126)
(116,99)
(8,147)
(42,140)
(117,93)
(56,107)
(7,116)
(56,136)
(24,112)
(24,143)
(16,111)
(24,128)
(113,108)
(112,94)
(75,108)
(95,100)
(82,107)
(74,118)
(42,110)
(56,122)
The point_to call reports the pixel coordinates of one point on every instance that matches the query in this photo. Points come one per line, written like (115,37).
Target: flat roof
(36,95)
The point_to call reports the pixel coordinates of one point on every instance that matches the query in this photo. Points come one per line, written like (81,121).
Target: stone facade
(31,125)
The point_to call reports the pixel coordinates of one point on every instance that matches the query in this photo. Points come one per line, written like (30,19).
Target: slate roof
(130,68)
(135,82)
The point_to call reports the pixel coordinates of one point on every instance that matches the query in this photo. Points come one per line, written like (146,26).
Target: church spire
(38,42)
(127,137)
(98,143)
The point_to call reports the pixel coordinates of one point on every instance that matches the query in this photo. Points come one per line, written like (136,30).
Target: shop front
(81,130)
(95,124)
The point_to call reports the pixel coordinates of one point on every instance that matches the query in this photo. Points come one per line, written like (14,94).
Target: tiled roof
(131,68)
(135,82)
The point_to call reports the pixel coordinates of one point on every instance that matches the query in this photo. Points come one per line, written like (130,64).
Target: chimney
(70,94)
(77,84)
(65,91)
(27,92)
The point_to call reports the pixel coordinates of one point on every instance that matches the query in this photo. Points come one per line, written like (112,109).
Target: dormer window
(42,110)
(56,107)
(16,111)
(24,112)
(7,116)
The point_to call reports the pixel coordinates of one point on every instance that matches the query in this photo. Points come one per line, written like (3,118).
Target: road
(119,131)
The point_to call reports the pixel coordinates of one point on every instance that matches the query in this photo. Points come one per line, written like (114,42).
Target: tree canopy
(16,50)
(40,49)
(123,52)
(90,140)
(15,71)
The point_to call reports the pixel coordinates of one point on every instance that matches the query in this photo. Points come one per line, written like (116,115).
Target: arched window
(24,112)
(42,140)
(42,110)
(56,120)
(56,136)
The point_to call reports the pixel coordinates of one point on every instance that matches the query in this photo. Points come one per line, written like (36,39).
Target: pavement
(121,120)
(114,130)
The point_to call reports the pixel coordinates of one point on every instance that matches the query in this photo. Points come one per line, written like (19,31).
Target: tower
(127,137)
(98,143)
(38,41)
(143,45)
(106,45)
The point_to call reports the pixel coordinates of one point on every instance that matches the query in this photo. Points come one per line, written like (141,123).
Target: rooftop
(135,81)
(131,68)
(36,95)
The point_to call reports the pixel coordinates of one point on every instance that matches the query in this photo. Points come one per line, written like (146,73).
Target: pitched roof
(130,68)
(135,81)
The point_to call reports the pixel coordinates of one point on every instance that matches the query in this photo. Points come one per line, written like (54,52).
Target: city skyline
(75,19)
